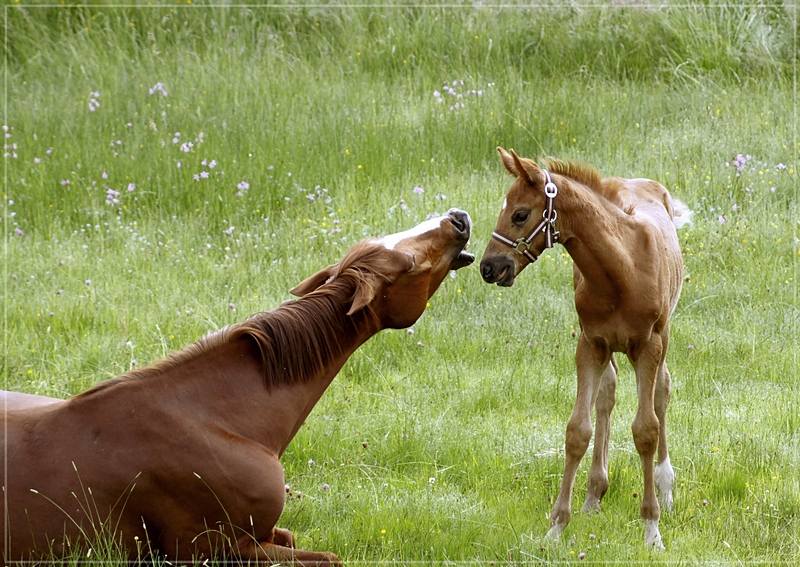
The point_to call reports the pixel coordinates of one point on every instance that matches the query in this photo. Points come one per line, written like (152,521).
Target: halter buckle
(550,189)
(521,246)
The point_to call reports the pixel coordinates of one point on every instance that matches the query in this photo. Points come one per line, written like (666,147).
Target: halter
(548,225)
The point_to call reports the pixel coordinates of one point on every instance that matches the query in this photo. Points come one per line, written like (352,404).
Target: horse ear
(508,162)
(526,167)
(390,269)
(313,282)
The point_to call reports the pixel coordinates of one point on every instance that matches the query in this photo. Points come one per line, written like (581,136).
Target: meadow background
(172,169)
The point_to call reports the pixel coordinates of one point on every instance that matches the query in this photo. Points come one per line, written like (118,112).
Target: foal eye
(521,217)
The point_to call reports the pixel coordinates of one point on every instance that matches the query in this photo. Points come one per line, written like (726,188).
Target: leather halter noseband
(548,225)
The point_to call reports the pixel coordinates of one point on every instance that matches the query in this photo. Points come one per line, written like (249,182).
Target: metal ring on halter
(521,245)
(553,216)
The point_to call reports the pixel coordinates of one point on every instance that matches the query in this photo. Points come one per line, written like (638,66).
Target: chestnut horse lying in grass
(628,271)
(182,458)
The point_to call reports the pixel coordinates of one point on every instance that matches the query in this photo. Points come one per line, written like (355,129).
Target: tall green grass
(464,419)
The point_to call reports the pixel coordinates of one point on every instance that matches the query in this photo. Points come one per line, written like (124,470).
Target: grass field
(173,169)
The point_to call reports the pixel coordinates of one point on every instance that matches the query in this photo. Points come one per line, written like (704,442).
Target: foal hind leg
(592,363)
(664,475)
(604,404)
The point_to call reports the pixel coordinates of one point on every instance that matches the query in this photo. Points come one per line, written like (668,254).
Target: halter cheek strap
(547,225)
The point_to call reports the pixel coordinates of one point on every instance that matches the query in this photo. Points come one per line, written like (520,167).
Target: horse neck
(592,230)
(221,381)
(281,407)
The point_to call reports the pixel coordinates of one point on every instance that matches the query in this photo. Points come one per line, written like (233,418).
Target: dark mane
(589,176)
(296,340)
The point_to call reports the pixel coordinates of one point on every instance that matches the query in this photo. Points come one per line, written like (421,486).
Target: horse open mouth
(506,277)
(463,259)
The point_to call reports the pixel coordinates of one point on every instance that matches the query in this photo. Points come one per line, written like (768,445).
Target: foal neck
(596,233)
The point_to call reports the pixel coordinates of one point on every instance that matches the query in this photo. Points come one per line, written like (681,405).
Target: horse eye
(521,217)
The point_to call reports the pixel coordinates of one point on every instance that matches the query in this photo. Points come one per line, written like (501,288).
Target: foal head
(397,274)
(523,210)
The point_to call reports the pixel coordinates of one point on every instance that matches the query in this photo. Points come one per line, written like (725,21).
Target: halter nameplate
(547,225)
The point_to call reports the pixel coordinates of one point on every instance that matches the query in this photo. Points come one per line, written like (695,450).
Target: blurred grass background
(122,242)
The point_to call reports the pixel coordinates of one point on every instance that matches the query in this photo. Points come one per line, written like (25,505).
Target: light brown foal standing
(628,271)
(182,458)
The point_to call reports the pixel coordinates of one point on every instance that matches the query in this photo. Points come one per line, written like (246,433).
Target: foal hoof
(652,537)
(591,506)
(554,534)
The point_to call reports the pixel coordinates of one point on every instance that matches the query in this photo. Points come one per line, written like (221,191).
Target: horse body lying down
(182,457)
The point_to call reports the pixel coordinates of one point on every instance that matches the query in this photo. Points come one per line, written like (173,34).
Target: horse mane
(589,176)
(295,341)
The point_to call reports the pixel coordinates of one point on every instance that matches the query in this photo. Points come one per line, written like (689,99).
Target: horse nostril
(486,272)
(460,220)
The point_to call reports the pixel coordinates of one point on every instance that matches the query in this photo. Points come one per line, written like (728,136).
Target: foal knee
(579,434)
(645,434)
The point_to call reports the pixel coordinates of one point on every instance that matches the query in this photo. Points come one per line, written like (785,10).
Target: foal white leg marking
(652,537)
(393,240)
(554,534)
(665,479)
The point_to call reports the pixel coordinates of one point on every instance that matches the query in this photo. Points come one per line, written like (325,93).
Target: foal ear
(508,161)
(313,282)
(527,168)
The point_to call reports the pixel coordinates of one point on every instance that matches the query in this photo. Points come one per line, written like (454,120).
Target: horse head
(397,274)
(521,234)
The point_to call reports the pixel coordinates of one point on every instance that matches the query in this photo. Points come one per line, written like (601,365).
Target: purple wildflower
(244,185)
(65,182)
(780,166)
(204,174)
(19,232)
(229,230)
(158,87)
(131,186)
(232,305)
(111,197)
(212,164)
(105,175)
(88,282)
(36,160)
(187,147)
(197,177)
(418,190)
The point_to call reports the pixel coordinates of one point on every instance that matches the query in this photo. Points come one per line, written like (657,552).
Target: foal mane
(298,339)
(589,176)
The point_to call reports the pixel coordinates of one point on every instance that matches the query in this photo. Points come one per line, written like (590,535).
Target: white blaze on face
(393,240)
(505,204)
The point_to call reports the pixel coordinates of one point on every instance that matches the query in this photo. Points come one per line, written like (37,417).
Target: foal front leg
(604,405)
(646,431)
(591,362)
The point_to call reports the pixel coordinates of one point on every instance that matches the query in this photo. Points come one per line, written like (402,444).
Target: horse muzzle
(463,226)
(499,269)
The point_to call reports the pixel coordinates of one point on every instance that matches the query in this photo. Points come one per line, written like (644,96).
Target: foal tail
(682,215)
